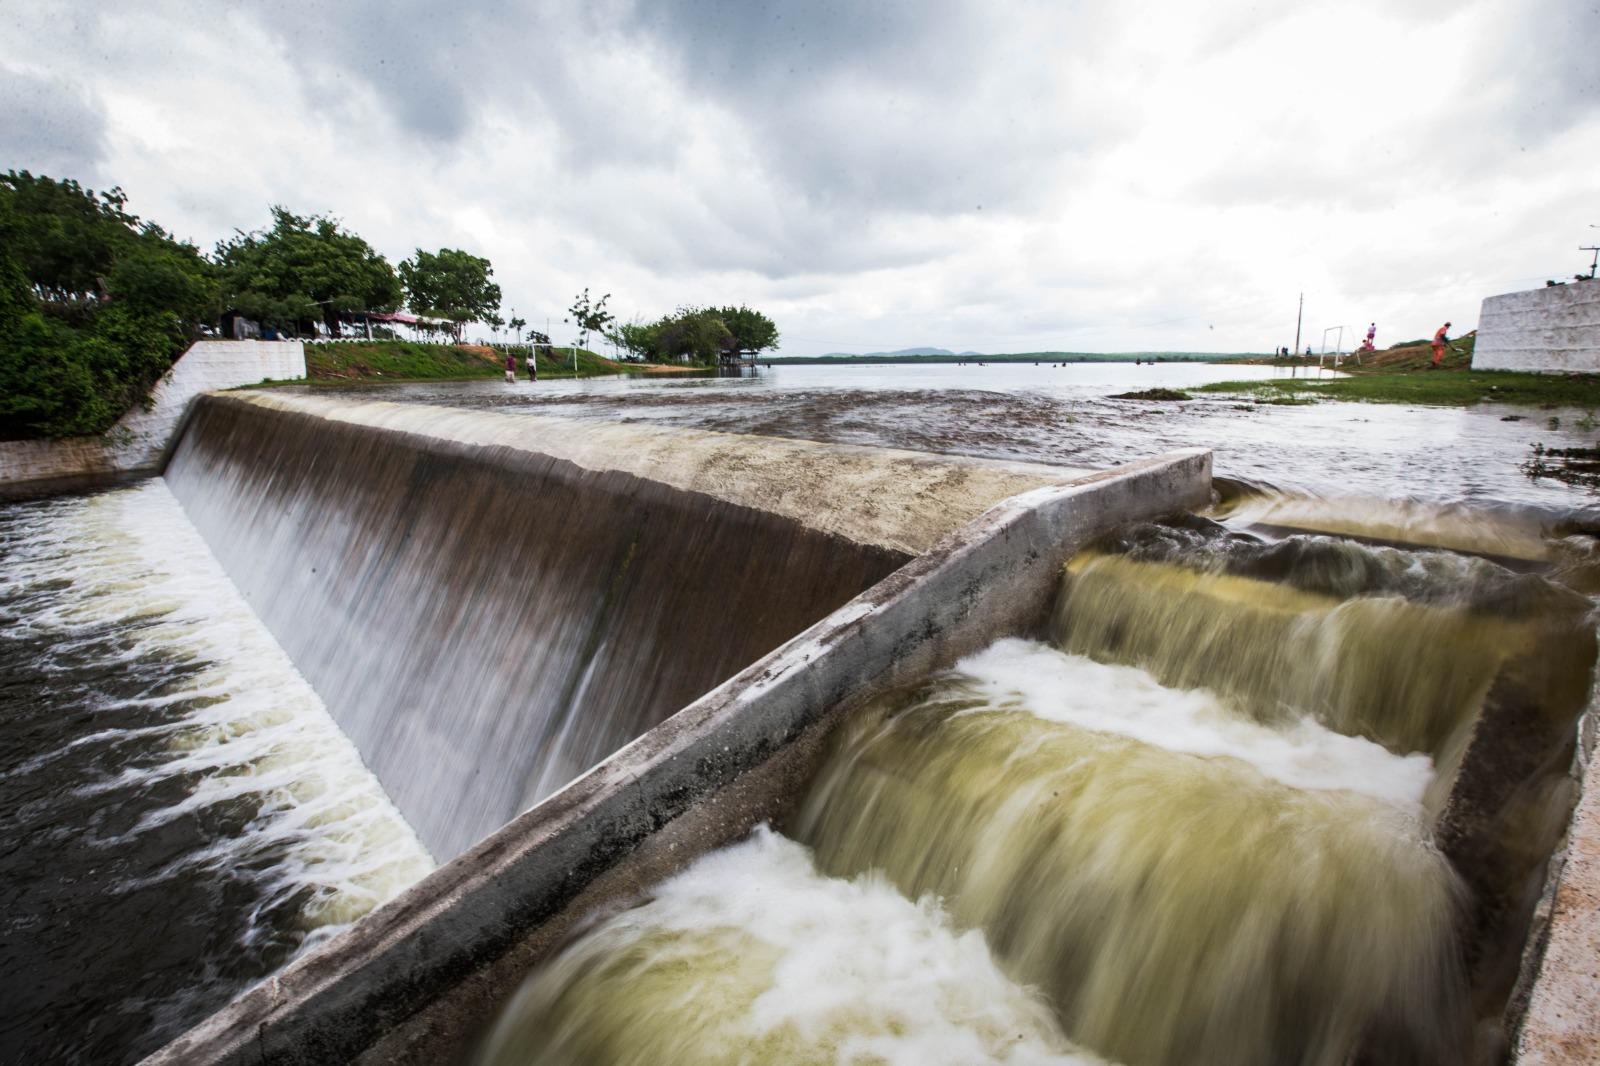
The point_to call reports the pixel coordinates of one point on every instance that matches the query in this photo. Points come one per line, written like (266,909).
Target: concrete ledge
(1561,1023)
(383,992)
(138,444)
(1554,330)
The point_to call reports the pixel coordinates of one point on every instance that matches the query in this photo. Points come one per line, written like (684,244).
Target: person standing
(511,368)
(1372,333)
(533,366)
(1440,339)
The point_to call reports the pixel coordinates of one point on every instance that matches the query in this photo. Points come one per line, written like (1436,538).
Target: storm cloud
(51,123)
(1137,175)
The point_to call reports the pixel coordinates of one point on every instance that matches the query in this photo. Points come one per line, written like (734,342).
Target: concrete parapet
(413,981)
(139,441)
(1551,330)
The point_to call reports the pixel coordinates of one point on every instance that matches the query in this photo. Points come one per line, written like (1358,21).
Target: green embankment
(1402,374)
(406,361)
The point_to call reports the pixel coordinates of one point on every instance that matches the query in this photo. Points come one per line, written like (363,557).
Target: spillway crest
(487,623)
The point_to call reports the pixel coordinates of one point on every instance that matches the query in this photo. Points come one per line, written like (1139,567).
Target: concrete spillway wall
(140,441)
(412,981)
(490,604)
(1553,330)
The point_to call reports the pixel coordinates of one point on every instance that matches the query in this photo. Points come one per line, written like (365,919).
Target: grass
(1153,394)
(1402,375)
(406,361)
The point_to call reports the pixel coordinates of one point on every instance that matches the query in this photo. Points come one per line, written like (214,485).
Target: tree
(749,331)
(304,269)
(694,334)
(589,318)
(638,339)
(701,335)
(516,325)
(94,306)
(451,284)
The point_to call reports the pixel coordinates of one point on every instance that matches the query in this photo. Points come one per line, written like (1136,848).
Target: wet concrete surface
(1044,414)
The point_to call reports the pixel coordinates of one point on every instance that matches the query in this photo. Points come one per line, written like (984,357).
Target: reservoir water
(1065,414)
(1007,864)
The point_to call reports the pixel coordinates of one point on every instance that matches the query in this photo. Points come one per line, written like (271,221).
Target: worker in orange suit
(1440,339)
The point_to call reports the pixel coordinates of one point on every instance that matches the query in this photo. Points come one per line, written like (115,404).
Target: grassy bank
(1402,374)
(405,361)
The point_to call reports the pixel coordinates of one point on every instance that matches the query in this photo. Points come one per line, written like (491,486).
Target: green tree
(694,334)
(749,331)
(302,269)
(638,339)
(94,306)
(589,317)
(516,325)
(451,284)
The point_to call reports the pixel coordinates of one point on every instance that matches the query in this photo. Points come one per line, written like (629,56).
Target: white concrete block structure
(140,439)
(1553,330)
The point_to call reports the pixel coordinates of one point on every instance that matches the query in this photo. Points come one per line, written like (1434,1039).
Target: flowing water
(1211,818)
(180,816)
(1436,456)
(1214,818)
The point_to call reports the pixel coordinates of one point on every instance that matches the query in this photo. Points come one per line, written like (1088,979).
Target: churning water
(1201,823)
(179,816)
(1207,814)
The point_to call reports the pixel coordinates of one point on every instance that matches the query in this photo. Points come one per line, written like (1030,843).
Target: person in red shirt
(1440,339)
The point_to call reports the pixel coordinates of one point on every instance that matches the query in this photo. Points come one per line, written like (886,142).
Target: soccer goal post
(1332,345)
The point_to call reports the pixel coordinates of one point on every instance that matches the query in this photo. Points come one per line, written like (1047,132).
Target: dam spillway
(488,610)
(1393,721)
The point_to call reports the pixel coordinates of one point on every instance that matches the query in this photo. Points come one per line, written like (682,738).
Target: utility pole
(1297,316)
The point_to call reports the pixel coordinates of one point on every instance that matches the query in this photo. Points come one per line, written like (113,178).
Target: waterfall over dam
(490,605)
(668,746)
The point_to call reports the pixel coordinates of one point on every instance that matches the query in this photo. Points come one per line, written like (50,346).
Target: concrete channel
(416,979)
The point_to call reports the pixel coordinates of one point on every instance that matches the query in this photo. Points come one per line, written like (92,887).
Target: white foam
(247,724)
(862,974)
(1023,675)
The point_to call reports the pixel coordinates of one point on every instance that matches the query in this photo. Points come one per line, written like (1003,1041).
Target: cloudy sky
(1103,176)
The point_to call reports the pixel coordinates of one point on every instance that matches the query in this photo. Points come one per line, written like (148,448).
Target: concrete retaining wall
(1561,1023)
(1551,330)
(413,980)
(138,443)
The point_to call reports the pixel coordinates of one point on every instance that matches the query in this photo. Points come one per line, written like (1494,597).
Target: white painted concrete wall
(1553,330)
(139,440)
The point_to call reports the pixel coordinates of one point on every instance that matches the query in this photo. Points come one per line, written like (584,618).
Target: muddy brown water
(184,817)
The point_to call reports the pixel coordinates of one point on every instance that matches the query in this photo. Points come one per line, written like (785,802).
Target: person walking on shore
(1440,339)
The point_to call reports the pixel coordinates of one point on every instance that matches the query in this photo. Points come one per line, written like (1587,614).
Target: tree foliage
(702,335)
(452,284)
(303,269)
(589,317)
(94,306)
(749,331)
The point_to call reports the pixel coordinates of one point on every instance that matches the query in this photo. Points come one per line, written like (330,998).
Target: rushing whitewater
(1185,884)
(1219,818)
(181,815)
(751,956)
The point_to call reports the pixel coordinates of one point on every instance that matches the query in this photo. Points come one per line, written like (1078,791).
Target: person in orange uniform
(1440,339)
